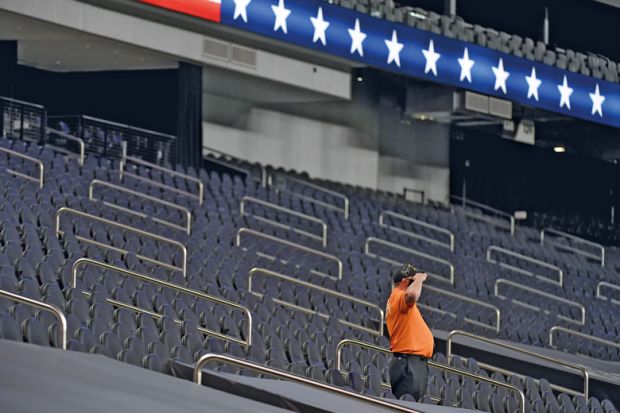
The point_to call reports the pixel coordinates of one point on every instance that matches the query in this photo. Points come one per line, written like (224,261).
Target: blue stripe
(261,20)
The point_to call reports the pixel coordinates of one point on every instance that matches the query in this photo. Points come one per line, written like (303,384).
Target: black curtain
(515,176)
(8,65)
(141,98)
(189,115)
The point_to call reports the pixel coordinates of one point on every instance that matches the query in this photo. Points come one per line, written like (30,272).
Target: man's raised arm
(413,292)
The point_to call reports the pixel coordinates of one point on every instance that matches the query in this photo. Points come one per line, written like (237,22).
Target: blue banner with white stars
(421,54)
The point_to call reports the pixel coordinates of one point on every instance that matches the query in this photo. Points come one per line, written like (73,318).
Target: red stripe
(205,9)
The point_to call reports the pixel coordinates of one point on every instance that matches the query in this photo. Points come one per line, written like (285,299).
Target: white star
(500,76)
(281,14)
(466,65)
(533,84)
(241,9)
(565,93)
(597,101)
(320,26)
(431,58)
(357,38)
(395,49)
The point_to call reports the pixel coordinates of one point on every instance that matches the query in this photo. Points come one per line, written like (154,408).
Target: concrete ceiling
(51,47)
(229,83)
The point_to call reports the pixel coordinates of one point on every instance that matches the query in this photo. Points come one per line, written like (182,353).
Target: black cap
(404,272)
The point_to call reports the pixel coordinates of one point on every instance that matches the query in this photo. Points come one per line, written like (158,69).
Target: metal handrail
(61,332)
(322,254)
(601,296)
(585,253)
(188,215)
(324,291)
(544,294)
(182,248)
(226,164)
(411,251)
(465,202)
(22,102)
(431,363)
(450,234)
(581,369)
(28,158)
(122,172)
(300,379)
(322,238)
(583,335)
(492,248)
(70,137)
(497,311)
(263,169)
(345,199)
(437,310)
(247,342)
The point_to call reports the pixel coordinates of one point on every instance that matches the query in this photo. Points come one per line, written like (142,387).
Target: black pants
(408,375)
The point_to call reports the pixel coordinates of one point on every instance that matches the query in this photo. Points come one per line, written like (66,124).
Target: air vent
(215,48)
(500,107)
(243,56)
(476,102)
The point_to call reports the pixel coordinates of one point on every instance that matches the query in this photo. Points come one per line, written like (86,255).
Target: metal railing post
(303,248)
(496,248)
(411,251)
(244,171)
(292,377)
(179,288)
(450,234)
(129,159)
(248,199)
(61,332)
(575,238)
(284,178)
(431,363)
(581,369)
(579,334)
(600,295)
(474,301)
(186,212)
(499,214)
(80,142)
(323,290)
(159,238)
(39,164)
(535,291)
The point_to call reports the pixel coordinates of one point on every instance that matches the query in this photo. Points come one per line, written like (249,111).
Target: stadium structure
(203,202)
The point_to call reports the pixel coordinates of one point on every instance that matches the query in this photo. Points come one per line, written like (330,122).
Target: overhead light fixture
(360,79)
(559,149)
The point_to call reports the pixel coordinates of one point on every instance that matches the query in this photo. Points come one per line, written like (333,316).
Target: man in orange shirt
(411,341)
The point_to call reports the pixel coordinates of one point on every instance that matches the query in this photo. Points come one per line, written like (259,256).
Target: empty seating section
(588,64)
(303,298)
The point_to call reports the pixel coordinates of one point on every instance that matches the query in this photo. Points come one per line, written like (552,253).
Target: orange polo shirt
(409,333)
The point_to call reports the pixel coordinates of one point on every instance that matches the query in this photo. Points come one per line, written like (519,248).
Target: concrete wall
(322,149)
(336,152)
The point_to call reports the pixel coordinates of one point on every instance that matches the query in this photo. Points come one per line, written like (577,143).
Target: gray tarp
(41,379)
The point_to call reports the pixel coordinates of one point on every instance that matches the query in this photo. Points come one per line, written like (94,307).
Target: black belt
(405,355)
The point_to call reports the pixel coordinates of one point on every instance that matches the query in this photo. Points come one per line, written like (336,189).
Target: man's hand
(420,276)
(414,290)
